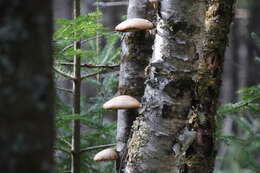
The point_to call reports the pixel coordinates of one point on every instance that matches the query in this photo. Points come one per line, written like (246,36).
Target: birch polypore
(122,102)
(135,24)
(106,155)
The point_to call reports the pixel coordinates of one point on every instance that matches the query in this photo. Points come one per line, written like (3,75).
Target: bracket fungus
(106,155)
(134,24)
(122,102)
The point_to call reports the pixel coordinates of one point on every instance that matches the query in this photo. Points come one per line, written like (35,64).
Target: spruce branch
(63,73)
(64,140)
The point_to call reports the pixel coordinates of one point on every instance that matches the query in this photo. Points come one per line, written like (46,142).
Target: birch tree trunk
(136,52)
(174,132)
(26,87)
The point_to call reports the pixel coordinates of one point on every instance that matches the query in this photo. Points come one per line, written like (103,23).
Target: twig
(63,73)
(90,75)
(96,147)
(64,63)
(109,4)
(248,102)
(65,141)
(64,89)
(90,65)
(99,66)
(94,74)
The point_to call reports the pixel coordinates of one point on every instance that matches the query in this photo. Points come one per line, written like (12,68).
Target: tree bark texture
(175,130)
(26,87)
(136,52)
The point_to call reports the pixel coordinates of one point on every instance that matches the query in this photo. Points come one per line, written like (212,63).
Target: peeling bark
(136,52)
(26,87)
(174,132)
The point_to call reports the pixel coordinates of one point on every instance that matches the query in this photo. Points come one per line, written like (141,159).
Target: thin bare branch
(64,140)
(64,89)
(111,4)
(63,73)
(100,66)
(64,63)
(102,71)
(96,147)
(91,74)
(91,65)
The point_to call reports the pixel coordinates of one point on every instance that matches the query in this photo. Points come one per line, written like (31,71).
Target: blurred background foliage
(242,155)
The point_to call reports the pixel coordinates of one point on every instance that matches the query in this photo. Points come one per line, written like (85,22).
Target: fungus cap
(134,24)
(106,155)
(122,102)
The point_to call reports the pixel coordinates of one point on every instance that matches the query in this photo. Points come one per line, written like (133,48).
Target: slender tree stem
(75,163)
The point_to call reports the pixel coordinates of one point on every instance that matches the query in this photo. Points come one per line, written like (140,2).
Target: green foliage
(248,98)
(85,27)
(95,131)
(244,143)
(90,32)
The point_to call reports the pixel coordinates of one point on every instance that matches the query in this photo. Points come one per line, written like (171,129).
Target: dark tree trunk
(174,132)
(136,52)
(26,87)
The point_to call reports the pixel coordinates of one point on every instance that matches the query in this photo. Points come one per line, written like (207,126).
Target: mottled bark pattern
(136,52)
(26,87)
(174,132)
